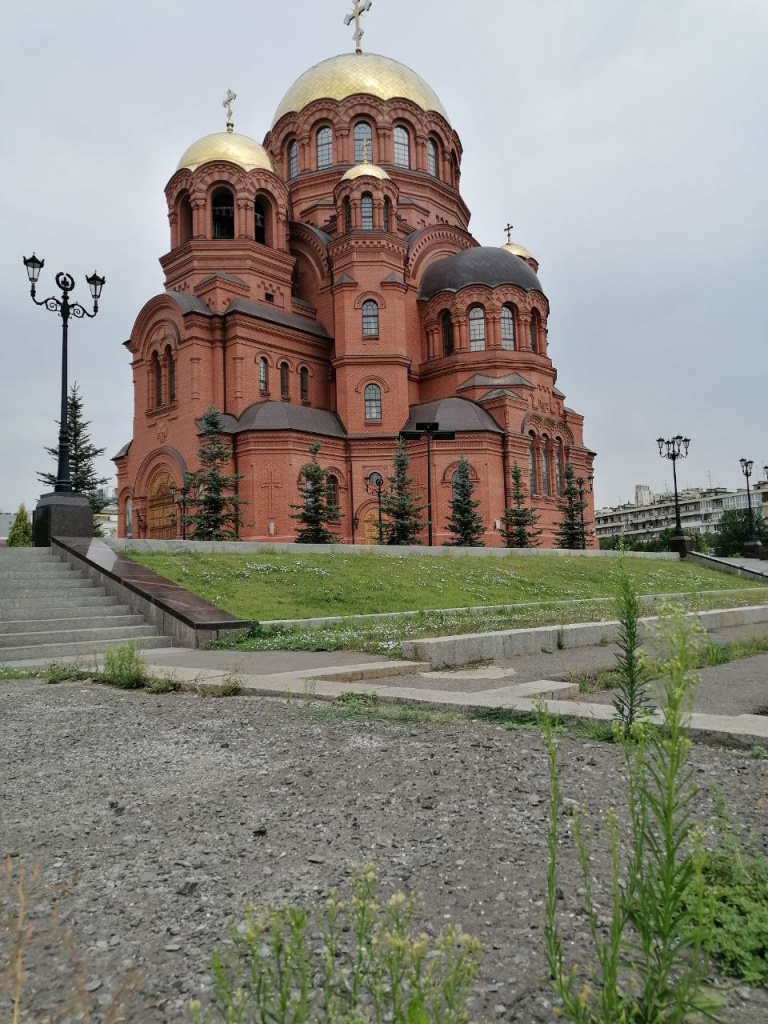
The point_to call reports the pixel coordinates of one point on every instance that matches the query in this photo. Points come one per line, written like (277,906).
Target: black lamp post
(580,483)
(374,483)
(432,432)
(676,448)
(46,518)
(752,548)
(187,495)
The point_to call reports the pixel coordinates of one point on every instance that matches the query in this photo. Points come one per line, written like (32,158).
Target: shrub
(20,534)
(631,702)
(124,667)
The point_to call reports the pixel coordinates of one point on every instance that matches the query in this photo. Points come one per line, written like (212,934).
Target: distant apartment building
(700,511)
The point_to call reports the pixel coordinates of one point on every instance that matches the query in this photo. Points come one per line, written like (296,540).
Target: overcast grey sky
(626,141)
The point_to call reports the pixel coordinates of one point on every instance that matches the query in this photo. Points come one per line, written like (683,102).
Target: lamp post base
(682,545)
(753,549)
(61,514)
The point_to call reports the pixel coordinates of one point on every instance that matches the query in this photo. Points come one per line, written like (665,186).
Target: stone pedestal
(61,514)
(682,545)
(753,549)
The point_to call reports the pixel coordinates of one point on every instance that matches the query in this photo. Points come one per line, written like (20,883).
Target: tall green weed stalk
(631,700)
(651,961)
(346,963)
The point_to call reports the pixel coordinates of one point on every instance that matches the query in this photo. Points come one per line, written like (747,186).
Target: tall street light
(63,511)
(373,484)
(432,432)
(676,448)
(580,484)
(752,548)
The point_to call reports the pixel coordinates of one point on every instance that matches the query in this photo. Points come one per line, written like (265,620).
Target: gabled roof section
(284,416)
(271,314)
(480,380)
(457,414)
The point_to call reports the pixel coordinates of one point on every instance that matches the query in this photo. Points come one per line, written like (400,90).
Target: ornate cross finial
(365,150)
(228,101)
(361,6)
(508,229)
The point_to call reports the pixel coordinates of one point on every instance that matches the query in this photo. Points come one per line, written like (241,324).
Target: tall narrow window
(446,328)
(324,148)
(546,483)
(304,383)
(508,328)
(532,465)
(366,212)
(347,215)
(170,363)
(387,214)
(402,147)
(370,319)
(223,213)
(534,331)
(260,221)
(332,489)
(476,329)
(263,375)
(293,158)
(559,466)
(455,481)
(129,518)
(185,220)
(157,375)
(372,402)
(284,392)
(432,158)
(363,143)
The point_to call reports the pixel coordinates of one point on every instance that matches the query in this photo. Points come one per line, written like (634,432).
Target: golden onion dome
(366,170)
(351,74)
(518,250)
(232,147)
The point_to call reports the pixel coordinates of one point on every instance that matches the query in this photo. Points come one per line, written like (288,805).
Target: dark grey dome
(284,416)
(457,414)
(485,264)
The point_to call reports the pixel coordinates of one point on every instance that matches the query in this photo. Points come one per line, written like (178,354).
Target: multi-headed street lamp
(580,484)
(753,547)
(676,448)
(432,432)
(63,512)
(374,483)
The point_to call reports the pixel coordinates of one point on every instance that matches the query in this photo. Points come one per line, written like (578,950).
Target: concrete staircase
(49,610)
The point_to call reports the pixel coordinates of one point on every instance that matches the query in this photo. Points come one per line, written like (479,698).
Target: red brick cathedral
(324,286)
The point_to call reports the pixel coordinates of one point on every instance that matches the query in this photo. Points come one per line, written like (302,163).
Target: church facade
(324,286)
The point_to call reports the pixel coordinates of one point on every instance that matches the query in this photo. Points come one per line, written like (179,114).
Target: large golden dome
(353,73)
(235,149)
(366,171)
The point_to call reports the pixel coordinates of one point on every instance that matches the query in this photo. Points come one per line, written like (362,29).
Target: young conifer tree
(217,514)
(402,507)
(317,509)
(570,532)
(518,524)
(20,535)
(465,522)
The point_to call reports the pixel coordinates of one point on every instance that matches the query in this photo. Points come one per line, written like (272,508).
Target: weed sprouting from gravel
(230,686)
(124,667)
(63,673)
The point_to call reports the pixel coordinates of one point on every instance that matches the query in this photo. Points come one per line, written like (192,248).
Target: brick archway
(162,518)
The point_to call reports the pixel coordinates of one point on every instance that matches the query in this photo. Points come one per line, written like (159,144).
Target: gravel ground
(163,815)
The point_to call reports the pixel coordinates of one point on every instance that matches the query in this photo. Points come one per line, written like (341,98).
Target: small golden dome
(229,146)
(518,250)
(353,73)
(366,170)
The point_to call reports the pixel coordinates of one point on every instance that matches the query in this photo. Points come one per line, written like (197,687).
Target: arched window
(454,170)
(366,212)
(534,331)
(432,165)
(559,466)
(260,221)
(263,375)
(546,482)
(370,319)
(157,378)
(532,465)
(293,158)
(347,215)
(129,518)
(332,489)
(170,363)
(508,328)
(284,391)
(304,383)
(387,214)
(185,220)
(476,329)
(455,479)
(363,134)
(223,213)
(324,148)
(446,328)
(402,146)
(372,402)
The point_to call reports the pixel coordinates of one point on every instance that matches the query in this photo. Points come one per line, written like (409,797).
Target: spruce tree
(402,507)
(20,535)
(570,532)
(82,455)
(317,509)
(518,524)
(465,522)
(217,505)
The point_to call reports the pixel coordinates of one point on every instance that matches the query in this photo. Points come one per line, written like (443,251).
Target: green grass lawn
(286,586)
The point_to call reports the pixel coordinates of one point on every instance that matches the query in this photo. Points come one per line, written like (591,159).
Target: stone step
(46,582)
(28,554)
(67,625)
(47,595)
(62,636)
(31,607)
(82,648)
(55,571)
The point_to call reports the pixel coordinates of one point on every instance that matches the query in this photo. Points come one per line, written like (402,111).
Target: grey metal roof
(479,380)
(284,416)
(483,264)
(123,451)
(452,414)
(189,303)
(261,311)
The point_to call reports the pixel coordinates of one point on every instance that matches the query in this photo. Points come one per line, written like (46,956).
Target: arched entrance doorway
(162,512)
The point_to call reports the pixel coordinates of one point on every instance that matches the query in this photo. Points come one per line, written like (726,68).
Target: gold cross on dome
(361,6)
(508,229)
(228,101)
